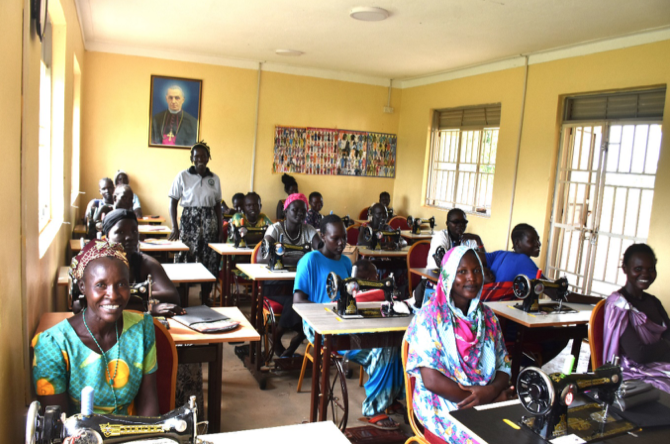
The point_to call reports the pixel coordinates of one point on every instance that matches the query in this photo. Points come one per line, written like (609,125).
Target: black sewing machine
(548,398)
(347,221)
(373,237)
(274,251)
(529,290)
(348,287)
(240,236)
(141,290)
(179,426)
(416,223)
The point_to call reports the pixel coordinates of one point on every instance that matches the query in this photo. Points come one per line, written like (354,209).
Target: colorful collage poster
(326,151)
(289,155)
(321,154)
(381,154)
(352,148)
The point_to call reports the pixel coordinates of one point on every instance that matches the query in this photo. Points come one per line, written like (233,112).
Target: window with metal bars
(463,158)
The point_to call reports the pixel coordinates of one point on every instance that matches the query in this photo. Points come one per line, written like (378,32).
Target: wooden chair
(399,222)
(417,257)
(417,428)
(352,235)
(596,334)
(166,375)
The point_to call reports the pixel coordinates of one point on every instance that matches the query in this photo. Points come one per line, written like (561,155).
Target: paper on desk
(568,439)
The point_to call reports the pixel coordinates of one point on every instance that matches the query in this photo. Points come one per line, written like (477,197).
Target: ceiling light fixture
(289,52)
(369,14)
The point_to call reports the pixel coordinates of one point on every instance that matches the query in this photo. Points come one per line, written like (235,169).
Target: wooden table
(161,246)
(424,235)
(260,273)
(184,274)
(203,348)
(366,252)
(344,334)
(228,250)
(324,432)
(430,274)
(538,328)
(63,276)
(152,220)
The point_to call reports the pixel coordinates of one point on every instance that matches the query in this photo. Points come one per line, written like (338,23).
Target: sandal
(381,421)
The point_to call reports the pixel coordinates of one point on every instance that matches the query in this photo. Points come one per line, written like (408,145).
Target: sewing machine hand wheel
(333,285)
(265,248)
(521,286)
(367,233)
(536,392)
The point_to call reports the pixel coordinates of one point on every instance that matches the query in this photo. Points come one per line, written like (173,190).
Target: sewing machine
(548,398)
(240,235)
(274,251)
(347,221)
(438,256)
(349,287)
(141,290)
(373,237)
(179,426)
(529,290)
(415,224)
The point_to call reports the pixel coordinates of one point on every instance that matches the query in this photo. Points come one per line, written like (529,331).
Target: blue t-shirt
(312,273)
(506,265)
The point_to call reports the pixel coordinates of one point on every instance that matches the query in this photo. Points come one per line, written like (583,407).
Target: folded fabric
(498,291)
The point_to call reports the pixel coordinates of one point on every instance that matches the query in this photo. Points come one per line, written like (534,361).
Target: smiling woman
(102,347)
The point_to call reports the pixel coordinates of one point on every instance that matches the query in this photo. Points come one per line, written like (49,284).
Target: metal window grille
(463,158)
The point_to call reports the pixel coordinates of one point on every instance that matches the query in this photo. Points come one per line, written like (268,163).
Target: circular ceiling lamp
(369,14)
(289,52)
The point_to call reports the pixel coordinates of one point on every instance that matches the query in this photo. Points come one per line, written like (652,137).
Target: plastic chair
(417,257)
(417,428)
(364,214)
(352,235)
(596,334)
(399,222)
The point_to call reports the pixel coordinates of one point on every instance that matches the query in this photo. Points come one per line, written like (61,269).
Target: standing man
(174,126)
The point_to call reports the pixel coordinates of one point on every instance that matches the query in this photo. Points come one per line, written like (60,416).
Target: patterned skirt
(199,227)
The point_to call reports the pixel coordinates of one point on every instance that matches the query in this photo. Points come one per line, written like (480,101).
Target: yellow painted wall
(27,283)
(116,117)
(548,83)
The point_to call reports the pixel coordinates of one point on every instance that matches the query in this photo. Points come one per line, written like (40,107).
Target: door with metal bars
(602,201)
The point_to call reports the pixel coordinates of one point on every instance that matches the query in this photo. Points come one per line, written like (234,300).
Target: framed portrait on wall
(174,112)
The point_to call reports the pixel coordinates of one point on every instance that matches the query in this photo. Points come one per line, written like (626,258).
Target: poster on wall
(326,151)
(174,112)
(381,154)
(321,154)
(289,152)
(352,147)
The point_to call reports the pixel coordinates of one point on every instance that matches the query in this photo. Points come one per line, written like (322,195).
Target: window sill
(48,234)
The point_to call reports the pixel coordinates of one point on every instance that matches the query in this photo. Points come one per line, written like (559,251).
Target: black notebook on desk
(205,320)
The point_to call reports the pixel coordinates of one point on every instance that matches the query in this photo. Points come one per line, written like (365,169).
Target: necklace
(293,241)
(104,356)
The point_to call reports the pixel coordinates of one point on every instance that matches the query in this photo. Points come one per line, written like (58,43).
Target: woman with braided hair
(103,346)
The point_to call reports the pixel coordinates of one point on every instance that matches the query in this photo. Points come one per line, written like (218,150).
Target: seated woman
(314,216)
(123,199)
(107,192)
(636,324)
(121,178)
(378,222)
(290,187)
(238,203)
(453,236)
(385,199)
(295,232)
(456,350)
(250,216)
(104,347)
(120,226)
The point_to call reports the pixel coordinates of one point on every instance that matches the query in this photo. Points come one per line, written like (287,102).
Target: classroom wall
(548,83)
(116,118)
(27,282)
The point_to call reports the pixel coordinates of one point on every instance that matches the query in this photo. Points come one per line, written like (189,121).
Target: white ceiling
(420,37)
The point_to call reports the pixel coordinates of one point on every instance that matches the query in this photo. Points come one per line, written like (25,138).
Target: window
(463,159)
(44,190)
(76,133)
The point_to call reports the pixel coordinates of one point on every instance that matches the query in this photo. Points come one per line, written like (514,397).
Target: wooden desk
(337,335)
(151,220)
(227,250)
(154,230)
(424,235)
(204,348)
(323,432)
(260,273)
(538,328)
(184,274)
(366,252)
(79,229)
(432,275)
(63,276)
(146,246)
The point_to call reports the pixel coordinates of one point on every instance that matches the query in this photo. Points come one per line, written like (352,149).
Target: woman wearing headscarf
(103,346)
(456,350)
(198,191)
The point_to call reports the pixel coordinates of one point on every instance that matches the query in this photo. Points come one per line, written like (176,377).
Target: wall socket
(388,110)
